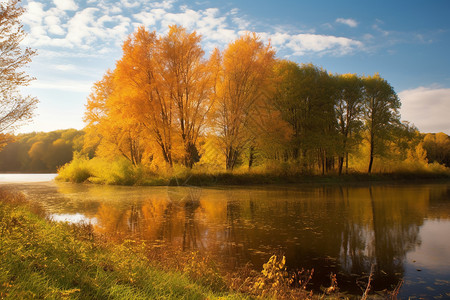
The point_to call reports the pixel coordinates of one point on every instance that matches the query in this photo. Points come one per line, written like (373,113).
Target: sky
(406,42)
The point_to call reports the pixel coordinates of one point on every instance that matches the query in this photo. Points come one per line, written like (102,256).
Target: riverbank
(201,179)
(46,259)
(137,176)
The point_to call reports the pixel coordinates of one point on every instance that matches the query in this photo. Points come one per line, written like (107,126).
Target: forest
(166,105)
(42,152)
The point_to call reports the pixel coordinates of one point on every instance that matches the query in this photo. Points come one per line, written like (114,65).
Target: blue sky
(407,42)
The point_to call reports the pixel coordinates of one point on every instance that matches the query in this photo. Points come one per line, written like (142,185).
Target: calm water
(403,229)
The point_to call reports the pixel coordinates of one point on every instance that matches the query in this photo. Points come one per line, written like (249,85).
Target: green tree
(349,105)
(304,97)
(286,99)
(381,114)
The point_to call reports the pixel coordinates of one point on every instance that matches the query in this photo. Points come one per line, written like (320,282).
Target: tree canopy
(14,108)
(165,103)
(41,151)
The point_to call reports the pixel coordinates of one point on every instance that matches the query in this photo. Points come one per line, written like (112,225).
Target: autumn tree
(96,112)
(188,79)
(164,102)
(108,133)
(122,114)
(41,152)
(14,108)
(437,146)
(141,93)
(246,65)
(158,96)
(349,108)
(381,114)
(271,138)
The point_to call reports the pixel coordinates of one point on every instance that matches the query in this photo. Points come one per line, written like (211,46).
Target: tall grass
(96,170)
(122,172)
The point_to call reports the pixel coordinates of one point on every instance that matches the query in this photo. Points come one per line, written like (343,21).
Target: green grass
(50,260)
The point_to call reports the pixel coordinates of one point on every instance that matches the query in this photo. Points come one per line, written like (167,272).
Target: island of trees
(166,107)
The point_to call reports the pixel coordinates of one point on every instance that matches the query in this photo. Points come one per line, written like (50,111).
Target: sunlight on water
(73,218)
(23,178)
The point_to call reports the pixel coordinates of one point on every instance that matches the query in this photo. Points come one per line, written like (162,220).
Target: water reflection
(343,230)
(72,218)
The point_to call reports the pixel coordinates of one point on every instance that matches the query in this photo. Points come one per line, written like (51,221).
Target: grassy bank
(44,259)
(121,172)
(49,260)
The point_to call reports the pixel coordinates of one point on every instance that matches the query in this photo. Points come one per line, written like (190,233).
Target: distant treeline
(437,146)
(47,151)
(40,151)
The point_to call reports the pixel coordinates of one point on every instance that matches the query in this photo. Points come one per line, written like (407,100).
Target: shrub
(78,170)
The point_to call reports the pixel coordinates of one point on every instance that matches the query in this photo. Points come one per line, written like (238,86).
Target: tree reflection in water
(191,235)
(343,230)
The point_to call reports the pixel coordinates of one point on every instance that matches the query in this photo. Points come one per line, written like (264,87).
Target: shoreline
(255,179)
(196,179)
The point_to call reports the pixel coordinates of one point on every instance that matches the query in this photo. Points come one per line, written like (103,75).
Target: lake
(404,230)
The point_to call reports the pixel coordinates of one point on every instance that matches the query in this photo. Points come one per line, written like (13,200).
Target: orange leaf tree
(246,66)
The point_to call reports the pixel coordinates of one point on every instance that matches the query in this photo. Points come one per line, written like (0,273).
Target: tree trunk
(167,156)
(323,161)
(251,156)
(340,164)
(231,158)
(191,155)
(346,162)
(371,156)
(341,158)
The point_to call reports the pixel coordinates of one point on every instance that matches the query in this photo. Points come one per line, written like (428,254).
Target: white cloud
(428,108)
(54,25)
(81,28)
(65,4)
(349,22)
(129,4)
(188,19)
(147,19)
(305,43)
(65,67)
(377,28)
(166,4)
(62,85)
(99,27)
(34,13)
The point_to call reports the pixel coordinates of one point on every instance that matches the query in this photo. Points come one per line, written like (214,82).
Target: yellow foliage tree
(188,79)
(242,84)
